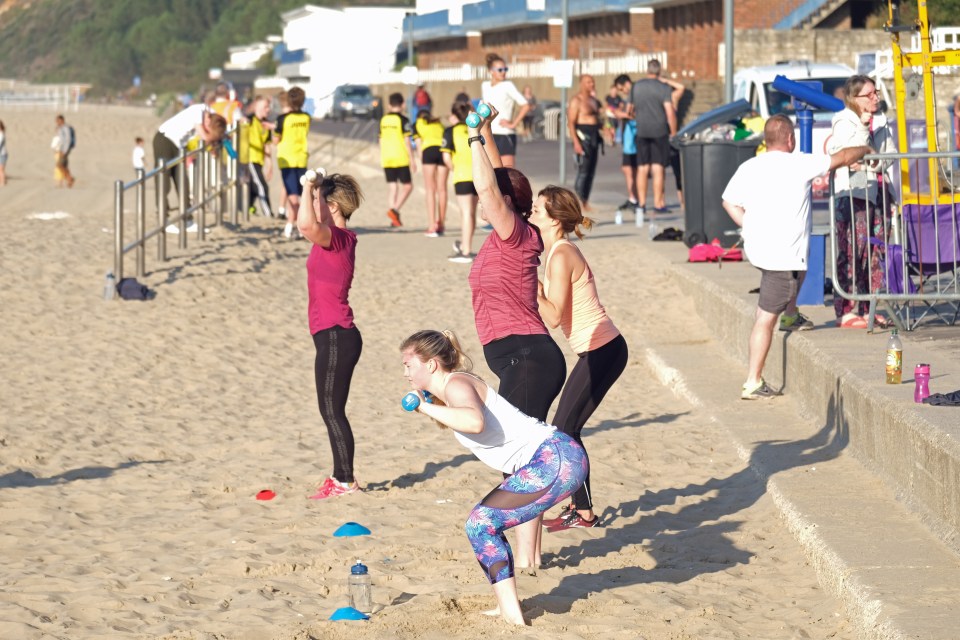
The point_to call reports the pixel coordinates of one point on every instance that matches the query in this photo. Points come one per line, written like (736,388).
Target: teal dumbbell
(411,401)
(473,120)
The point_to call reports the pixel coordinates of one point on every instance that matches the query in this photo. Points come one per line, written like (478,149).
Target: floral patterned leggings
(556,470)
(861,269)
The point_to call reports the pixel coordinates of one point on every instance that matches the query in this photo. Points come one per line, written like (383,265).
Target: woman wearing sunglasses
(513,107)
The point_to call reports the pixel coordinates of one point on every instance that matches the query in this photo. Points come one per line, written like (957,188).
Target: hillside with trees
(169,44)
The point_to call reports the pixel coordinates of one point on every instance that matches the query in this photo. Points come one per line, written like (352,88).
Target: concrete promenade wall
(838,377)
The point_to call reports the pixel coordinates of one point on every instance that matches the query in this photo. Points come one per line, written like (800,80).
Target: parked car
(354,100)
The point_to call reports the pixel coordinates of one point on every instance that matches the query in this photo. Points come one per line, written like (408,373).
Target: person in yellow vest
(429,134)
(226,105)
(396,156)
(457,157)
(291,134)
(259,163)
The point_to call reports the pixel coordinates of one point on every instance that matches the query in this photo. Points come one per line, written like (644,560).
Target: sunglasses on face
(501,69)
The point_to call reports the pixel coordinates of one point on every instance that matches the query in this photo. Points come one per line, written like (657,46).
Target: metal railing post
(202,188)
(216,167)
(141,224)
(233,176)
(183,186)
(118,230)
(162,214)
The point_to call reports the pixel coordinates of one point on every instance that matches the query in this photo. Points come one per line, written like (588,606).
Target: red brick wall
(689,33)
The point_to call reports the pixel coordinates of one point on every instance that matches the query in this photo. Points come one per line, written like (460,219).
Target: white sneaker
(288,230)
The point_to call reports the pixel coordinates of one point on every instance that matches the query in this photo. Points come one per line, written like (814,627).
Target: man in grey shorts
(769,197)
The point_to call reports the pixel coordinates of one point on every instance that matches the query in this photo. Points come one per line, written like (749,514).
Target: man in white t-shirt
(769,197)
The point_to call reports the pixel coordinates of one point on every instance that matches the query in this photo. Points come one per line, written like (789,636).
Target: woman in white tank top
(546,465)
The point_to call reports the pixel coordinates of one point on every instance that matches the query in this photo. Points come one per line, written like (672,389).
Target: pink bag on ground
(713,252)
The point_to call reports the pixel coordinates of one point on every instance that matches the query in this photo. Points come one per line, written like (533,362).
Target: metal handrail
(199,169)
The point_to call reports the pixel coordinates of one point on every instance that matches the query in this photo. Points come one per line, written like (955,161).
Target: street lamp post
(565,13)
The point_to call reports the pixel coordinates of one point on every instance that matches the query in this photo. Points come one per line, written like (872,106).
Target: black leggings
(531,370)
(338,351)
(591,378)
(259,188)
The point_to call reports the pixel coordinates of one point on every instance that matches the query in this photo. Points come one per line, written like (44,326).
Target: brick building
(689,31)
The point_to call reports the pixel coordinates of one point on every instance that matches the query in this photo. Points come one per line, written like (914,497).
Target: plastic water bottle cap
(358,569)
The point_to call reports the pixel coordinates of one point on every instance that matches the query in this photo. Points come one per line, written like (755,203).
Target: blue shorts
(291,180)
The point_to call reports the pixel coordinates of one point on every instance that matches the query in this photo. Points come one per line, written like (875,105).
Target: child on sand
(396,156)
(292,154)
(545,465)
(456,156)
(139,155)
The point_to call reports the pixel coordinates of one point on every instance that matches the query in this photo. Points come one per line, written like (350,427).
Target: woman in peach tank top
(568,298)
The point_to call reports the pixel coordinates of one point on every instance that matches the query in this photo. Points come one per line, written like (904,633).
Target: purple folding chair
(933,253)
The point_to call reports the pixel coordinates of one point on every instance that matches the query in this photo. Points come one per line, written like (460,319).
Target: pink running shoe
(331,488)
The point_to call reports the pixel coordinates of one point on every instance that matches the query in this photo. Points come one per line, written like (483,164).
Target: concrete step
(866,479)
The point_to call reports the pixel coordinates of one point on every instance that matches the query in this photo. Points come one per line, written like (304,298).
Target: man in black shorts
(656,121)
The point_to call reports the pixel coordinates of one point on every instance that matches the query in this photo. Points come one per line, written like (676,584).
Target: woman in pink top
(323,221)
(568,298)
(503,283)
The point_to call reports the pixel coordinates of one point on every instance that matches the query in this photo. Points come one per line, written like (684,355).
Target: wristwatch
(470,141)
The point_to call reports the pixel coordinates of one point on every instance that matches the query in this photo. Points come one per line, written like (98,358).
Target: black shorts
(629,160)
(506,143)
(777,288)
(464,188)
(653,150)
(397,174)
(431,155)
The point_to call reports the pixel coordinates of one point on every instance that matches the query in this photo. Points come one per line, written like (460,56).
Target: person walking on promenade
(429,131)
(457,157)
(583,122)
(328,204)
(396,157)
(568,298)
(769,197)
(67,139)
(259,162)
(292,132)
(628,145)
(859,202)
(542,466)
(513,107)
(528,116)
(3,154)
(656,121)
(174,134)
(504,284)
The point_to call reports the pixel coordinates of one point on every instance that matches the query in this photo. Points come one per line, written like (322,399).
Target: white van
(755,85)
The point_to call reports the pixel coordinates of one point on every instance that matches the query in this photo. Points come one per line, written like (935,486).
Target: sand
(135,436)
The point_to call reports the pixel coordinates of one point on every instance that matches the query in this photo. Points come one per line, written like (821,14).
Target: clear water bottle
(618,217)
(894,358)
(109,286)
(360,585)
(653,230)
(921,376)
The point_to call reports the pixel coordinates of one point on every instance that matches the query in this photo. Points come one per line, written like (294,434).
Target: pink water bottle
(921,375)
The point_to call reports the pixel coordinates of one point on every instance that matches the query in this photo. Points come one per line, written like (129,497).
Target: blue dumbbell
(411,401)
(483,110)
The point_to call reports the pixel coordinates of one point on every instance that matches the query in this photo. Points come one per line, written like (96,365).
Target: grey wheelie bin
(707,167)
